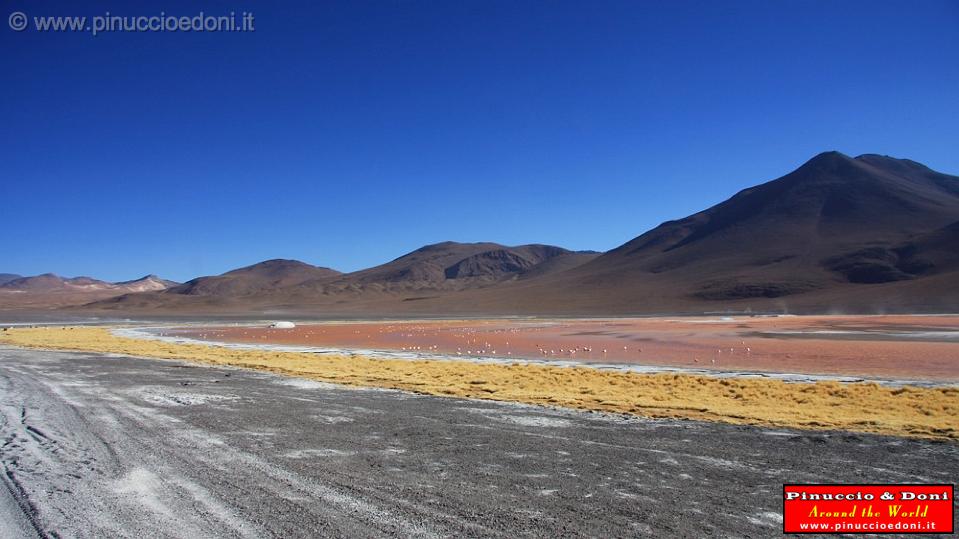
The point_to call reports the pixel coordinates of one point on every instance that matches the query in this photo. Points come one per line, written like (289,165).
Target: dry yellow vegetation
(863,407)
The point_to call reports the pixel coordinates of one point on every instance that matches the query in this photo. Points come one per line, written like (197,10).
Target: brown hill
(430,272)
(261,277)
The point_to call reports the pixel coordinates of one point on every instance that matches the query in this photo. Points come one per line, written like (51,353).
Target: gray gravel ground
(96,446)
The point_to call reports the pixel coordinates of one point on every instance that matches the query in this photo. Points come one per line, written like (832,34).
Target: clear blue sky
(346,134)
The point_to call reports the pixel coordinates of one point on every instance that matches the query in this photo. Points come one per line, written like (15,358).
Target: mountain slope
(453,265)
(927,254)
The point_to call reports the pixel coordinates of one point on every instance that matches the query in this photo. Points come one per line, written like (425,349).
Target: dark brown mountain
(832,225)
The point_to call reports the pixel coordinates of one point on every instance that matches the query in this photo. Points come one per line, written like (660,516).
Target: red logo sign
(868,508)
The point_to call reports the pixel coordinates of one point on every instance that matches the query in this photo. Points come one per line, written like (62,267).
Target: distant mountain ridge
(49,290)
(434,269)
(839,234)
(53,282)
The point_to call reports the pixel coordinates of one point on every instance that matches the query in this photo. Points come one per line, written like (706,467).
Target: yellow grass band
(862,407)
